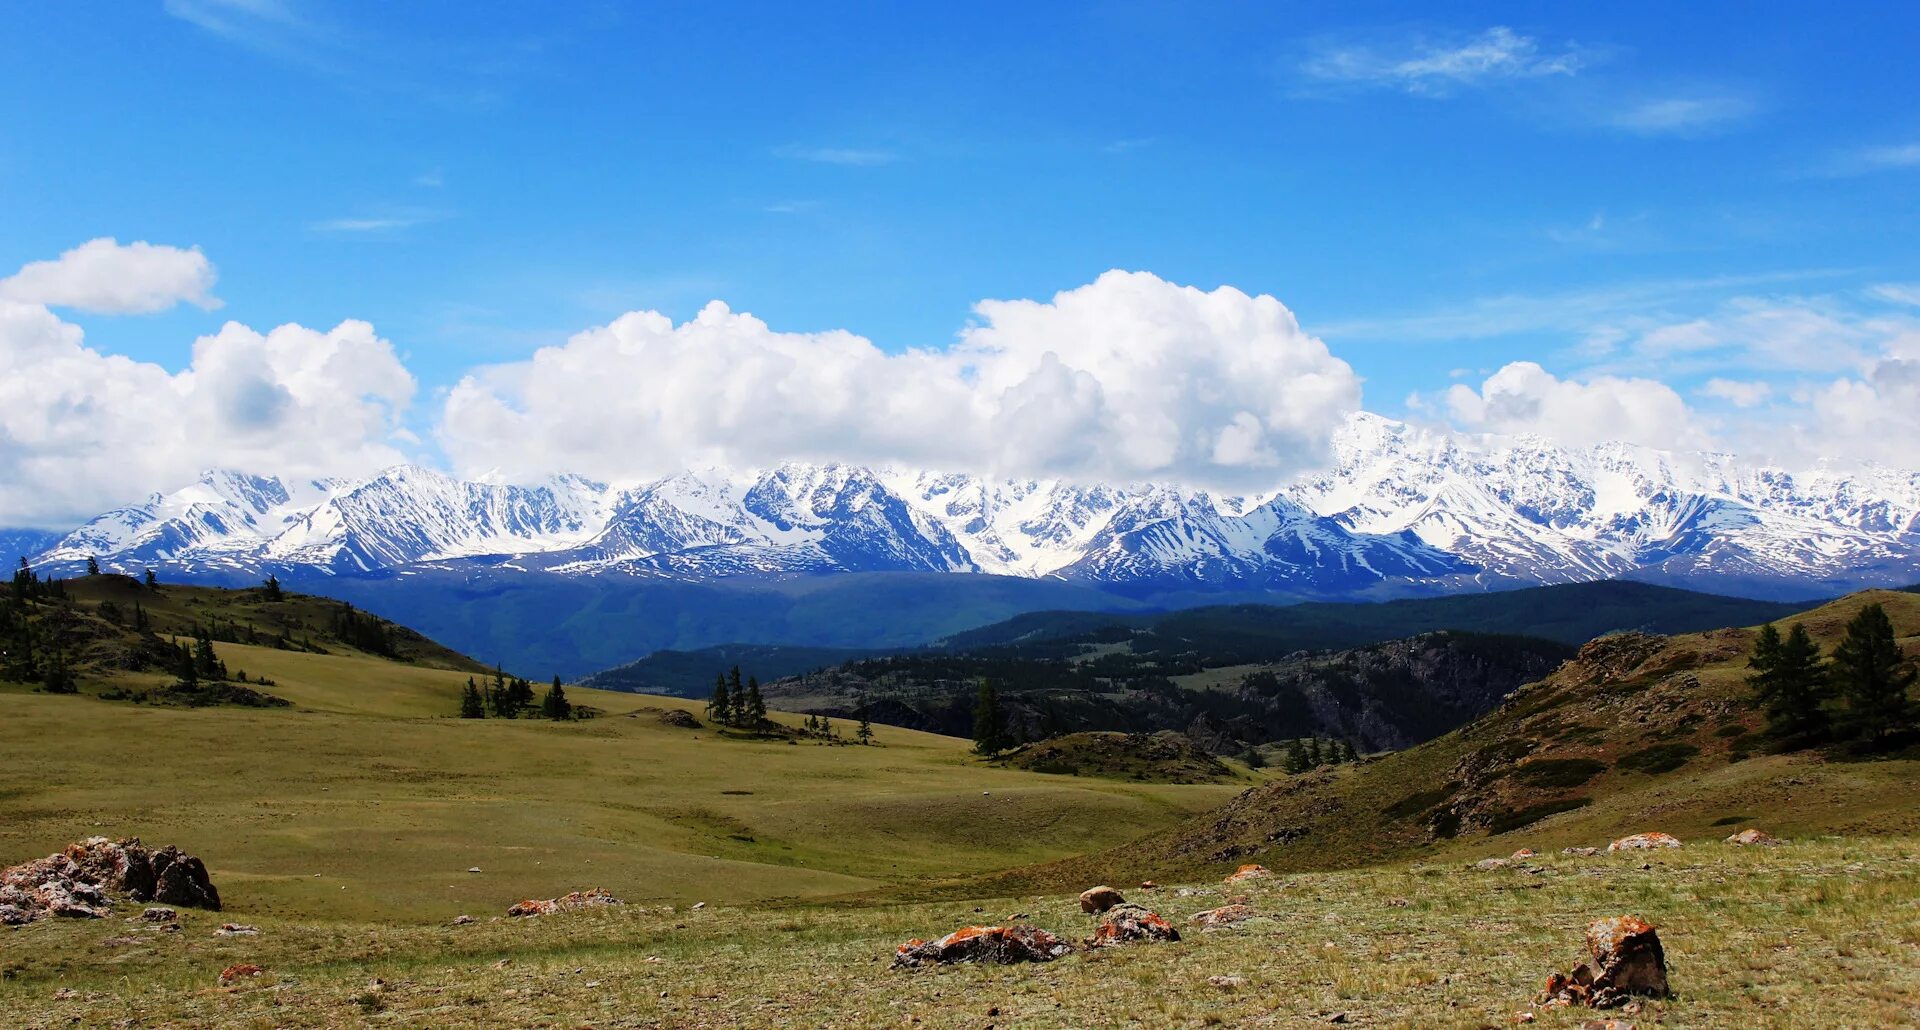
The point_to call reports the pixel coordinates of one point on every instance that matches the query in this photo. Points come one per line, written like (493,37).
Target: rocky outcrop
(1645,842)
(1128,922)
(1624,959)
(1753,838)
(1003,945)
(1095,900)
(574,901)
(79,882)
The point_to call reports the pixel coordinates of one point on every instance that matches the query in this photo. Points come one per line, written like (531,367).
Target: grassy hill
(366,798)
(1639,732)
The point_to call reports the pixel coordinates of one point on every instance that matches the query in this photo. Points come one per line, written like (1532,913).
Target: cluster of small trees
(1857,697)
(821,726)
(1303,756)
(369,633)
(990,736)
(736,705)
(505,697)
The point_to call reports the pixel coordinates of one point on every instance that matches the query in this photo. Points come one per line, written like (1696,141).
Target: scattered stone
(1251,871)
(1522,853)
(1095,900)
(1226,983)
(1492,863)
(473,869)
(1624,958)
(1337,1017)
(565,903)
(1580,852)
(995,944)
(1751,837)
(1607,1024)
(242,971)
(1129,922)
(159,914)
(1523,1017)
(65,994)
(1147,885)
(236,930)
(461,920)
(1398,903)
(1645,842)
(698,905)
(1225,915)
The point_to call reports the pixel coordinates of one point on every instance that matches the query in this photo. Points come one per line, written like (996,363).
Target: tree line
(510,697)
(1856,697)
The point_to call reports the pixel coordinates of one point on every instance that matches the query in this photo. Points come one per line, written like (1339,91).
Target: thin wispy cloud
(275,28)
(1680,115)
(850,156)
(374,224)
(1428,67)
(1868,160)
(1571,312)
(1898,293)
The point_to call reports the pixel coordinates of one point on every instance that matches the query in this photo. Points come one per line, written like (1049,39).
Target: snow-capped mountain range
(1400,510)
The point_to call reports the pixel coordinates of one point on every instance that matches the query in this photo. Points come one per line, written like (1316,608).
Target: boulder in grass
(1645,842)
(1095,900)
(1003,945)
(1251,871)
(594,898)
(235,973)
(1225,915)
(1624,960)
(1127,922)
(1753,838)
(81,881)
(1580,852)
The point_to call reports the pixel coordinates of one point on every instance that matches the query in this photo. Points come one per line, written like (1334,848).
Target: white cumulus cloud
(1127,378)
(1525,398)
(82,431)
(106,277)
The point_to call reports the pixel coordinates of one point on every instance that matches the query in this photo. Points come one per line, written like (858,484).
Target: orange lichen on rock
(1645,842)
(239,971)
(1249,872)
(565,903)
(1225,915)
(994,944)
(1624,958)
(1129,922)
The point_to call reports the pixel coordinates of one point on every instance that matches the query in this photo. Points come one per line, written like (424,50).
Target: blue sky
(1435,196)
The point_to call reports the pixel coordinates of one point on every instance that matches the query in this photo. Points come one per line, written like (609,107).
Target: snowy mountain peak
(1399,508)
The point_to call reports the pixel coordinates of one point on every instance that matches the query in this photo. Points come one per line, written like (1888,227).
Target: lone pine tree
(1873,677)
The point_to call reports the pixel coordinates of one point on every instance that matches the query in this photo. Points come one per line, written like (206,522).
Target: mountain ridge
(1400,510)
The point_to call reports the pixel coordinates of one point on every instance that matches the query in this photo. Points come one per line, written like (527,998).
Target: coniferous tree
(989,727)
(1873,678)
(1315,758)
(520,695)
(153,582)
(272,588)
(555,705)
(865,732)
(1801,684)
(720,708)
(471,705)
(756,714)
(93,565)
(1297,761)
(737,697)
(58,679)
(826,727)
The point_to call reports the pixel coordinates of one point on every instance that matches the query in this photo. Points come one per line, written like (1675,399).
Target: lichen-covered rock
(1251,871)
(1624,959)
(159,914)
(1003,945)
(1128,922)
(1523,853)
(1225,915)
(1645,842)
(181,879)
(240,971)
(1580,852)
(1752,837)
(565,903)
(1095,900)
(1486,864)
(78,881)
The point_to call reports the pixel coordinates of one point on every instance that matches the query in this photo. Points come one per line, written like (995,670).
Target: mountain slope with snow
(1399,510)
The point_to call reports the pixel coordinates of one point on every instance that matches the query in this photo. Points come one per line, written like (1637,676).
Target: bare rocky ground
(1805,933)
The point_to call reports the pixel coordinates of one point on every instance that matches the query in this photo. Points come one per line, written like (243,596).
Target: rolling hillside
(1639,732)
